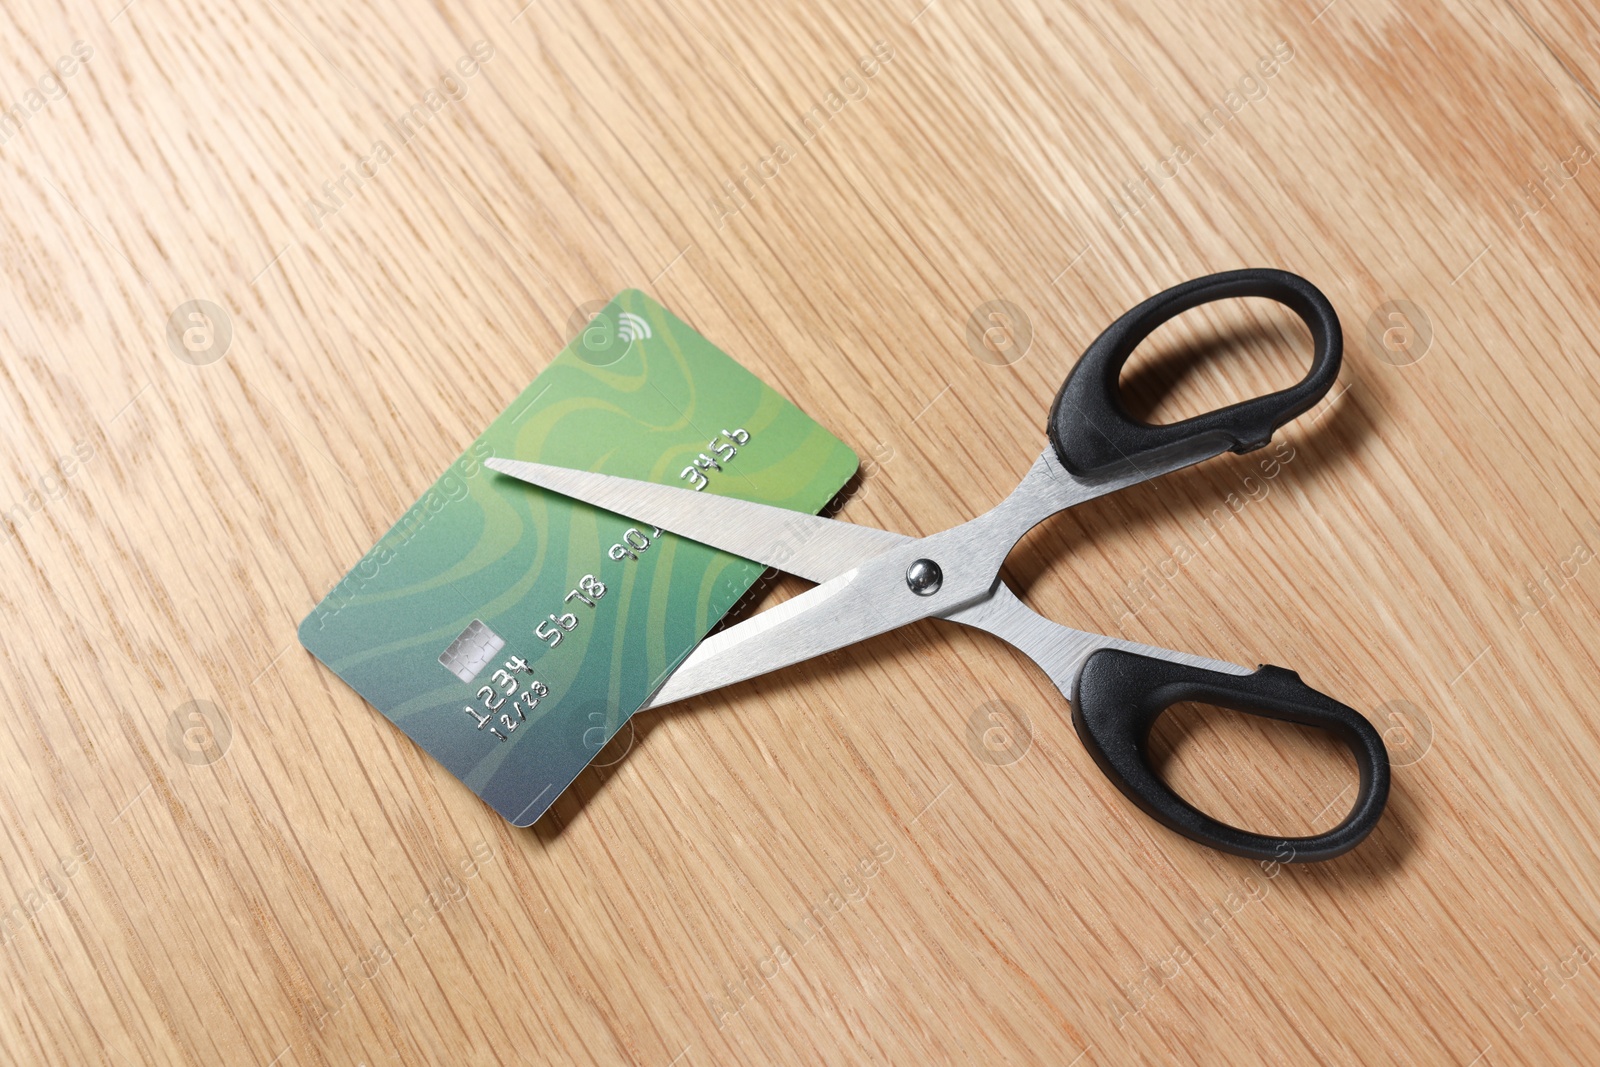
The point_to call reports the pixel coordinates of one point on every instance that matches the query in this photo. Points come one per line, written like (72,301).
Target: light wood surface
(324,893)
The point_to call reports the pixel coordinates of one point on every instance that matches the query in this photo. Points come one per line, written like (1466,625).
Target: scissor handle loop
(1119,695)
(1090,427)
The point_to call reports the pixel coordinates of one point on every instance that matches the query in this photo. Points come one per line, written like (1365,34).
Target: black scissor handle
(1090,427)
(1119,696)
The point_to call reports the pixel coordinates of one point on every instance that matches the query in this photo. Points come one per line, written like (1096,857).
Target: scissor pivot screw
(924,577)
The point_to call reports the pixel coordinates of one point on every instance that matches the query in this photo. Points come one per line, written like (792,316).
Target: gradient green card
(511,631)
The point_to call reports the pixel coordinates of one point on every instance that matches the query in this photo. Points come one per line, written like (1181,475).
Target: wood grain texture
(324,893)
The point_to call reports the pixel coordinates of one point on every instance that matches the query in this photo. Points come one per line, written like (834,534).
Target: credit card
(511,631)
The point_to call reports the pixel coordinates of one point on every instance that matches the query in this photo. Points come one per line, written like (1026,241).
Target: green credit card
(511,631)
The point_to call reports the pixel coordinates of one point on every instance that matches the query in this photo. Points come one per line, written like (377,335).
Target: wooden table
(215,852)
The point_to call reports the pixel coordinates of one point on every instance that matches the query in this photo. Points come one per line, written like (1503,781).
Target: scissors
(872,581)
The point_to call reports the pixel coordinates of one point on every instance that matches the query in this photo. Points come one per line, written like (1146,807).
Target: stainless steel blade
(792,541)
(739,653)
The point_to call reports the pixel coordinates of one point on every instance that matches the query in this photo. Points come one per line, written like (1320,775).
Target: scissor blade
(808,545)
(874,597)
(778,638)
(834,614)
